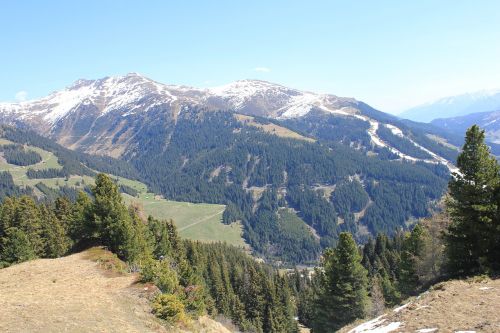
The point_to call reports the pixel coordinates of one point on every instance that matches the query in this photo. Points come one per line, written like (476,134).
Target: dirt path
(71,294)
(200,221)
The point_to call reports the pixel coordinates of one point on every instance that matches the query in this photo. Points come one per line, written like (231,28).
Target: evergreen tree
(161,236)
(413,250)
(23,213)
(56,242)
(111,217)
(473,233)
(377,297)
(81,226)
(392,295)
(28,219)
(140,244)
(343,294)
(15,247)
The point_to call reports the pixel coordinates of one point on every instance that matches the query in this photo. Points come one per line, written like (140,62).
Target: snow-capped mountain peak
(116,107)
(107,94)
(281,102)
(133,91)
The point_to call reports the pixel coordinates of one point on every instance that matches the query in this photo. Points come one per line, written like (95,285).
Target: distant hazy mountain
(489,121)
(454,106)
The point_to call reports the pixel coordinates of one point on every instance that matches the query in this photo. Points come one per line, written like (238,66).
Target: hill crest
(75,294)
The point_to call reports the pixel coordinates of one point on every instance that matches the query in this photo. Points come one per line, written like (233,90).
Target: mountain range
(78,115)
(295,168)
(455,106)
(489,121)
(92,115)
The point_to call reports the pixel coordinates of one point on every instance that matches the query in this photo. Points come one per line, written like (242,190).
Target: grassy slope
(195,221)
(272,128)
(77,294)
(458,305)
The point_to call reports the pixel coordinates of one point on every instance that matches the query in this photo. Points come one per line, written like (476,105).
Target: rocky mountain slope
(453,306)
(455,106)
(103,116)
(134,93)
(97,113)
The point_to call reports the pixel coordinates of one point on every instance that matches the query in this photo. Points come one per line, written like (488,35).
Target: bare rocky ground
(471,305)
(75,294)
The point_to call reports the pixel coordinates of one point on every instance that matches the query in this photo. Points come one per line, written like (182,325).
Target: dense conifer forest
(212,157)
(16,154)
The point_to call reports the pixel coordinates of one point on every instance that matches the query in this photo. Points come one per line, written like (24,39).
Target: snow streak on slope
(377,325)
(372,132)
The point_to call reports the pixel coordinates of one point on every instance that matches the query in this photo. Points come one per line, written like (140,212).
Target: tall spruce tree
(473,206)
(111,217)
(56,240)
(343,293)
(413,250)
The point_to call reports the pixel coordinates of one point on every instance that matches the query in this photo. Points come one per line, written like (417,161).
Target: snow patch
(427,330)
(376,325)
(372,132)
(423,307)
(402,307)
(395,130)
(485,288)
(298,106)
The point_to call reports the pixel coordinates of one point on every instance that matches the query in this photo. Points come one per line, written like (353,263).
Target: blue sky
(390,54)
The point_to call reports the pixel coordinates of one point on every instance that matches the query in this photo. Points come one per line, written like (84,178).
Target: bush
(169,307)
(194,299)
(161,274)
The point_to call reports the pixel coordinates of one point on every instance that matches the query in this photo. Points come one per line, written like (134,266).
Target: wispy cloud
(21,96)
(262,69)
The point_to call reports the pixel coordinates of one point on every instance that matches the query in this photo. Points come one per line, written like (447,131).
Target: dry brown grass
(272,128)
(460,305)
(106,260)
(84,292)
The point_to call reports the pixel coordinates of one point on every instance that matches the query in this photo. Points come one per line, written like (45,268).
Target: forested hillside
(323,184)
(37,166)
(49,177)
(194,279)
(214,157)
(462,241)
